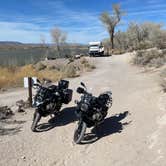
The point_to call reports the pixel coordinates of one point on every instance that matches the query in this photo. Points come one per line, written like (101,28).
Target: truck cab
(96,49)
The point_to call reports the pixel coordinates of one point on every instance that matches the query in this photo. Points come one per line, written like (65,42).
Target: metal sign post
(28,83)
(30,91)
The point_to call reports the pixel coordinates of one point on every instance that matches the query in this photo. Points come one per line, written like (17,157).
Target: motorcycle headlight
(84,107)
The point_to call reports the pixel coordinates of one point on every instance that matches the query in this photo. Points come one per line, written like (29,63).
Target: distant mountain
(34,44)
(10,43)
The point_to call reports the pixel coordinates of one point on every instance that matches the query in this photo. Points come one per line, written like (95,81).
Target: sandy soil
(134,139)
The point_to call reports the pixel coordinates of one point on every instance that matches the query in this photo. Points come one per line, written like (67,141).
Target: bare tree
(59,38)
(42,40)
(111,21)
(44,46)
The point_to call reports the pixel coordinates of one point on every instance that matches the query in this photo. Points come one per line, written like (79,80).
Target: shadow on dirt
(66,116)
(110,126)
(10,131)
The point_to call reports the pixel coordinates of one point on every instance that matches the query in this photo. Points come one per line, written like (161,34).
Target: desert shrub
(140,36)
(70,71)
(152,58)
(157,62)
(52,67)
(144,45)
(163,84)
(84,61)
(40,66)
(163,79)
(86,64)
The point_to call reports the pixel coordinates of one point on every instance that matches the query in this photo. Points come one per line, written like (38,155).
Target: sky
(28,20)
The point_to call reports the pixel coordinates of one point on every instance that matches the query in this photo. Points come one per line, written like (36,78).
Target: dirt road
(133,139)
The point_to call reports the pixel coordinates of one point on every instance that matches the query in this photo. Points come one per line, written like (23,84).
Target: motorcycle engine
(97,116)
(50,106)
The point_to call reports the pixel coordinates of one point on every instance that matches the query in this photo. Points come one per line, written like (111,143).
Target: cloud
(81,26)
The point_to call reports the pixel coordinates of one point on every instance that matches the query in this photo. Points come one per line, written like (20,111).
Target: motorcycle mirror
(38,81)
(83,84)
(80,90)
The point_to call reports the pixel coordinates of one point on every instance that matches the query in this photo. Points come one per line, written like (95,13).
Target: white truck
(96,49)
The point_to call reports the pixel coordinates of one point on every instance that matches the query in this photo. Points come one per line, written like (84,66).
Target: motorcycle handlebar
(35,86)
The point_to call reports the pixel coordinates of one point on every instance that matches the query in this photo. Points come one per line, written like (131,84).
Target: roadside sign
(25,82)
(34,81)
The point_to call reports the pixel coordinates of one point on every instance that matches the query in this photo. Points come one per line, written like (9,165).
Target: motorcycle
(90,110)
(49,99)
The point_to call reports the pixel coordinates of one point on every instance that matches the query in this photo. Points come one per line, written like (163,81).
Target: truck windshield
(94,45)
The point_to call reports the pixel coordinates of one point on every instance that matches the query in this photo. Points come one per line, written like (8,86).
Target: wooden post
(30,91)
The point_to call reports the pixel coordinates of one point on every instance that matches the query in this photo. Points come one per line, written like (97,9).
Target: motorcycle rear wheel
(36,119)
(79,132)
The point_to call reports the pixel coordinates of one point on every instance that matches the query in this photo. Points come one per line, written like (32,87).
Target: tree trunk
(112,39)
(58,49)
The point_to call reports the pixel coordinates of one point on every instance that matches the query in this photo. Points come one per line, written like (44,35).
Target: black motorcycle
(91,111)
(49,99)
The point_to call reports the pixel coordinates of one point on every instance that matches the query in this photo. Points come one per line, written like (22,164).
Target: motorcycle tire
(36,119)
(79,132)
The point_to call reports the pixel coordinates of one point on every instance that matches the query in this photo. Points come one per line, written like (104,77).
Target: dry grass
(13,77)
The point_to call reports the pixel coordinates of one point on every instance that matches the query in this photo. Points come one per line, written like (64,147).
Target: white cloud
(28,33)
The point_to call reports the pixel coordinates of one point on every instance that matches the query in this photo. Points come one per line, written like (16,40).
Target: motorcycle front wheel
(36,119)
(79,132)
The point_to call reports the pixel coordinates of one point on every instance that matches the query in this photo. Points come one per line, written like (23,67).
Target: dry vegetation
(150,58)
(13,76)
(139,36)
